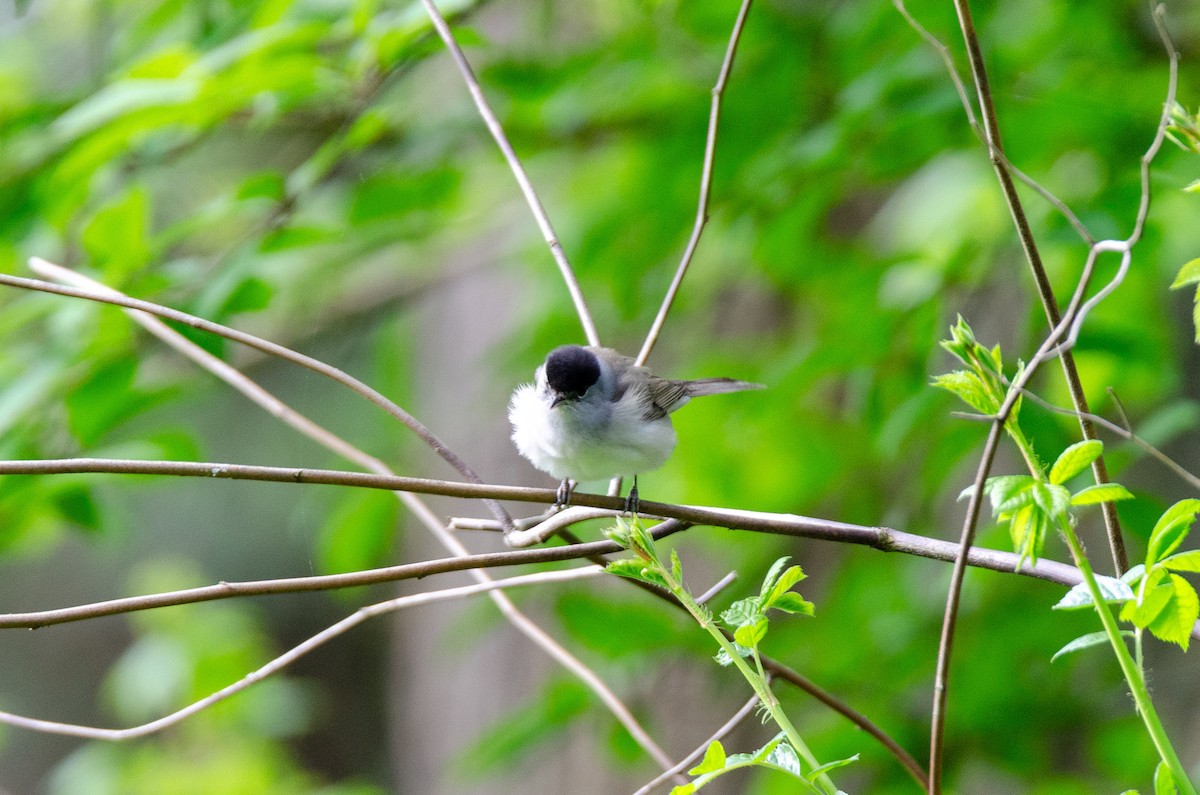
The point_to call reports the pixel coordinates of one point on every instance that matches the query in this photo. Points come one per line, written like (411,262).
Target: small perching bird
(592,414)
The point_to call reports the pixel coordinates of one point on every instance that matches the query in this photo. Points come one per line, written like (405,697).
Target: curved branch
(514,164)
(293,654)
(107,296)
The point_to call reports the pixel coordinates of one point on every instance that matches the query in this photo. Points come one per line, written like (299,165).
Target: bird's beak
(559,397)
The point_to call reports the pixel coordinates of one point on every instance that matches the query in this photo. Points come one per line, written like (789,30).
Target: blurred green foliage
(303,168)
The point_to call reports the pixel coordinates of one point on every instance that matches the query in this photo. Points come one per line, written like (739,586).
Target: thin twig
(514,164)
(295,653)
(880,538)
(109,296)
(686,762)
(710,152)
(717,587)
(942,676)
(331,441)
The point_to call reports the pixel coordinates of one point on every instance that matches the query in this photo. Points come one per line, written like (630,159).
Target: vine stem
(1129,666)
(757,679)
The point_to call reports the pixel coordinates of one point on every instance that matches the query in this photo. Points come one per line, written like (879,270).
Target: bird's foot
(562,497)
(631,502)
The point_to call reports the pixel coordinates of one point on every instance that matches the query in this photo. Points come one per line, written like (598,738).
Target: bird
(592,413)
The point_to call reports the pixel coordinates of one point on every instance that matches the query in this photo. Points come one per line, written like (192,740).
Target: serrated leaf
(784,757)
(1008,492)
(970,389)
(751,634)
(1054,500)
(762,753)
(1075,459)
(1027,528)
(626,567)
(1174,623)
(773,575)
(792,602)
(741,612)
(793,575)
(1183,561)
(1086,642)
(684,789)
(676,567)
(1188,274)
(1112,591)
(1171,529)
(1153,594)
(724,660)
(714,759)
(1101,492)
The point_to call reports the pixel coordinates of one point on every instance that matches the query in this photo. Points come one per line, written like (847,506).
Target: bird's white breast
(578,442)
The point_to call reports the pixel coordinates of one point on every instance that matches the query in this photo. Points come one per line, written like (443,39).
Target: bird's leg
(562,497)
(631,502)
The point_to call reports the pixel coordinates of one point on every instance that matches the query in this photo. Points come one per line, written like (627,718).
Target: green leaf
(1134,574)
(1153,595)
(1171,529)
(1086,642)
(633,569)
(1112,591)
(1054,500)
(724,660)
(793,575)
(784,757)
(817,772)
(1009,492)
(1164,780)
(792,602)
(684,789)
(773,575)
(1175,621)
(741,612)
(1075,459)
(714,759)
(1101,492)
(1027,528)
(1188,274)
(676,567)
(1183,561)
(970,389)
(751,634)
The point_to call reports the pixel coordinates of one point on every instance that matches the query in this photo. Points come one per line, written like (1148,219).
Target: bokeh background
(313,171)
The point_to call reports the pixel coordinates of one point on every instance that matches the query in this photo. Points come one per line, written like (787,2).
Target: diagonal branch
(108,296)
(293,654)
(299,422)
(710,153)
(514,164)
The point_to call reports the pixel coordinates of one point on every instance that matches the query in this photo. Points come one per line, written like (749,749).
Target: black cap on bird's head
(570,371)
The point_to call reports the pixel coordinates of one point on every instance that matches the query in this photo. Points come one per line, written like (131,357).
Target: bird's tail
(717,386)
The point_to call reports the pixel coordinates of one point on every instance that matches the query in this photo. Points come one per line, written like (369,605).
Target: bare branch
(514,164)
(109,296)
(710,152)
(335,443)
(295,653)
(687,761)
